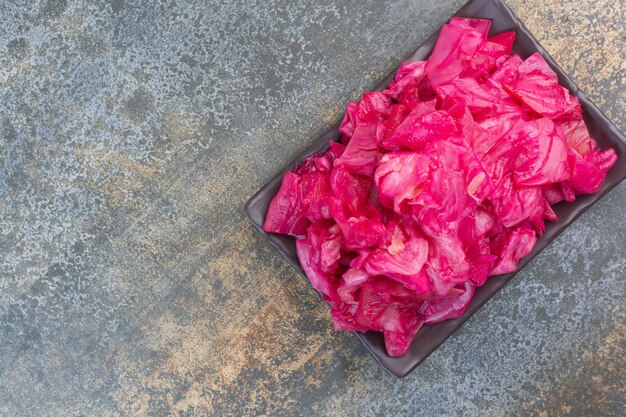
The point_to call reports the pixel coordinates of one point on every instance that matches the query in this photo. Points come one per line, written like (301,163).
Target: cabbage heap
(440,181)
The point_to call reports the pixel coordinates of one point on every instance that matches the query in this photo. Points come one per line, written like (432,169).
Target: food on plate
(440,181)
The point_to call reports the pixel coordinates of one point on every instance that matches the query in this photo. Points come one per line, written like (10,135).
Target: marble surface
(131,135)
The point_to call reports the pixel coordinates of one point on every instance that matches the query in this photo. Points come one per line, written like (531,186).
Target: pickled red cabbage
(441,180)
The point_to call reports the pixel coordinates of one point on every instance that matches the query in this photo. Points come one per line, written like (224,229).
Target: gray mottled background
(132,133)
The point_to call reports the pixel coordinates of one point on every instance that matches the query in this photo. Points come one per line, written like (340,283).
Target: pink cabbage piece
(388,307)
(402,260)
(448,308)
(398,179)
(455,46)
(361,231)
(361,153)
(510,247)
(351,281)
(444,179)
(538,88)
(467,91)
(286,213)
(319,253)
(481,25)
(317,197)
(543,159)
(409,78)
(371,109)
(589,165)
(421,126)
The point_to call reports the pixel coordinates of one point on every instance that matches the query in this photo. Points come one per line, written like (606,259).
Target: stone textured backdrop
(132,133)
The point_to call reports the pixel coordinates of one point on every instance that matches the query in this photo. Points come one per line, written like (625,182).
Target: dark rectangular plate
(431,336)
